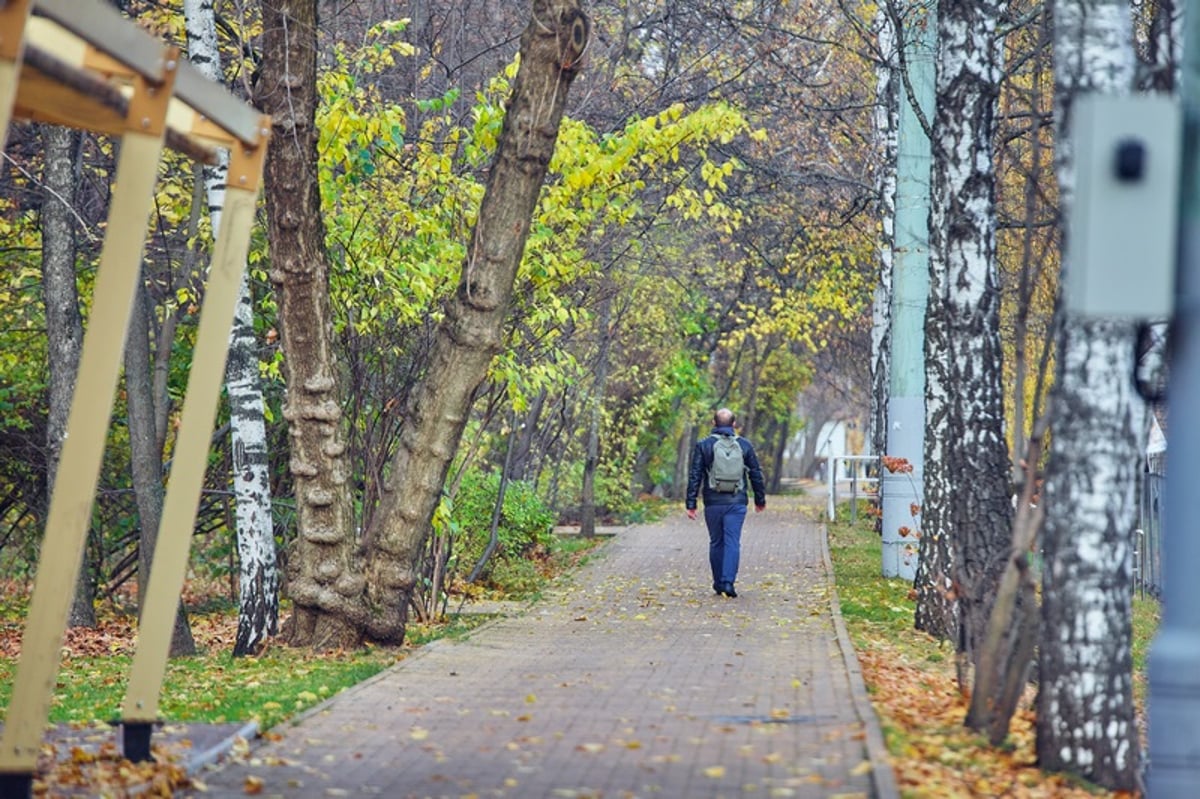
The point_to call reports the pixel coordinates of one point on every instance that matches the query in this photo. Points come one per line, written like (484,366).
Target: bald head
(723,418)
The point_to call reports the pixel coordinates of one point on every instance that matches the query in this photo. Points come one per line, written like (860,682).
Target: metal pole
(831,482)
(1174,663)
(910,285)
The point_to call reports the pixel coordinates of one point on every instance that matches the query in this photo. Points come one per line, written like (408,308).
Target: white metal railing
(858,477)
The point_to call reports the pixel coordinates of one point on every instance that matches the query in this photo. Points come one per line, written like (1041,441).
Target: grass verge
(912,684)
(212,686)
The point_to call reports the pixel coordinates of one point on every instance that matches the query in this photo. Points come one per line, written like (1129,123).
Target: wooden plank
(14,16)
(191,457)
(70,511)
(122,42)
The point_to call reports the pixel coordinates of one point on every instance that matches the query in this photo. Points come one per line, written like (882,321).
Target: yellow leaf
(419,733)
(862,768)
(715,772)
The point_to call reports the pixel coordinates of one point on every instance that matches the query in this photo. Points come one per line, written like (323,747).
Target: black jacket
(698,474)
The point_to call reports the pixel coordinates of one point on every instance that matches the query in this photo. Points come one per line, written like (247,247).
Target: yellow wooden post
(13,16)
(191,450)
(91,407)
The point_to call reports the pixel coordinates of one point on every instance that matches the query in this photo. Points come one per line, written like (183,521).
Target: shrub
(525,529)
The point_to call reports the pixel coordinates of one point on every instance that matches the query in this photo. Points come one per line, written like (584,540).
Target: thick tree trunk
(1086,721)
(968,505)
(472,331)
(325,588)
(783,430)
(258,570)
(64,323)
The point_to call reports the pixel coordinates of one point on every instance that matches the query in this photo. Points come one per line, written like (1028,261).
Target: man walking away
(721,463)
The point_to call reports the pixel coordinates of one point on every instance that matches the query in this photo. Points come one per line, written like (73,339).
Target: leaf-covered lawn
(210,688)
(911,679)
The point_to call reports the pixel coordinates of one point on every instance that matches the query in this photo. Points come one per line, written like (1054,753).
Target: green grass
(874,606)
(214,687)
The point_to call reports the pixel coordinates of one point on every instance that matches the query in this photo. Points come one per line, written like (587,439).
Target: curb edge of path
(882,773)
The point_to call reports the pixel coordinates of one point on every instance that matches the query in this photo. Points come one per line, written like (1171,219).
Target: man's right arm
(695,476)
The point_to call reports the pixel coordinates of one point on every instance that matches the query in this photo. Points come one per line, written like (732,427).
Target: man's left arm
(757,483)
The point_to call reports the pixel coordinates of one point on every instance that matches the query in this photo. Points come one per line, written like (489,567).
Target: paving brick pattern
(631,680)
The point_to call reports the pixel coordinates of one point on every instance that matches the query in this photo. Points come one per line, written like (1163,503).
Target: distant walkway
(633,680)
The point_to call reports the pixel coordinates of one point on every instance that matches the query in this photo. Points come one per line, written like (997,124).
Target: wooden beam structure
(82,64)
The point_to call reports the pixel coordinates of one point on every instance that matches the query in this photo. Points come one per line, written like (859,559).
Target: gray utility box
(1121,231)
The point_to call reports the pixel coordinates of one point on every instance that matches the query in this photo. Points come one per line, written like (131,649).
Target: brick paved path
(633,680)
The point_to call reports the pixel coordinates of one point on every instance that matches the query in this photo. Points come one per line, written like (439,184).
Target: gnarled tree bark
(471,333)
(326,591)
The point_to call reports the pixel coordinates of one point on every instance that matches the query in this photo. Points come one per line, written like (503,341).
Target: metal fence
(1147,563)
(854,477)
(860,472)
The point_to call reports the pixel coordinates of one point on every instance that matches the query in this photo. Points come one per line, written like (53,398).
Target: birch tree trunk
(471,332)
(1086,721)
(326,590)
(967,500)
(258,570)
(64,322)
(887,122)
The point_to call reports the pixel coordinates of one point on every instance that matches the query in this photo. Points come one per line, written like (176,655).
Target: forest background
(710,233)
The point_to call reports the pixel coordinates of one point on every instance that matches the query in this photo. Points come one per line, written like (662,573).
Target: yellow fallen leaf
(862,768)
(253,785)
(419,733)
(530,698)
(715,772)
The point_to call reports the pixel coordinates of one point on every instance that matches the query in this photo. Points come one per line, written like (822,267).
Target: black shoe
(717,589)
(727,590)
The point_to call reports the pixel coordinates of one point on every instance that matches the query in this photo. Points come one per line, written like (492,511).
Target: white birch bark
(886,129)
(258,573)
(1085,703)
(967,513)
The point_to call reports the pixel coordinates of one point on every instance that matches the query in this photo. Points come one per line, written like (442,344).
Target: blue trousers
(724,540)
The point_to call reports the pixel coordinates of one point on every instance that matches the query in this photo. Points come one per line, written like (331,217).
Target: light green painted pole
(910,285)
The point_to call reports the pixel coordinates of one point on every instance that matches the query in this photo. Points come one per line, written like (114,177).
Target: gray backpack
(727,473)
